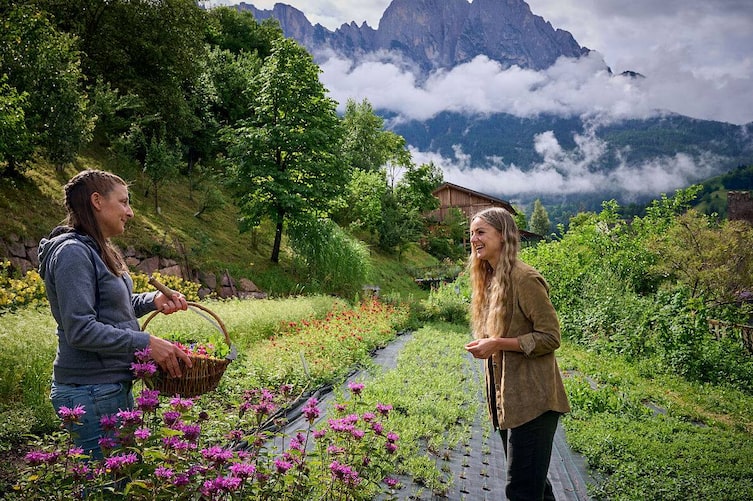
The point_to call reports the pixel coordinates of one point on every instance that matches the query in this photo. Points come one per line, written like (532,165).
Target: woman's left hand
(170,304)
(485,348)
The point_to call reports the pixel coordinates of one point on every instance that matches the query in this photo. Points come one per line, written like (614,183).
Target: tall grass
(28,344)
(27,349)
(247,321)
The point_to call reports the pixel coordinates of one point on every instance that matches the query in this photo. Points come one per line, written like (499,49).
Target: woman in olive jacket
(516,331)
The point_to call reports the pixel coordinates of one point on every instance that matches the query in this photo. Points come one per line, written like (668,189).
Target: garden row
(216,445)
(644,436)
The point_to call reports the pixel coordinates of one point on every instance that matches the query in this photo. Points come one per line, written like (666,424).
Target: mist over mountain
(509,105)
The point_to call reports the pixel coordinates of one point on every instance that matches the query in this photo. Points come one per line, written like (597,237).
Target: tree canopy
(285,158)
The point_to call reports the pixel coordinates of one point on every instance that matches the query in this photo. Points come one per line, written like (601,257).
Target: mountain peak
(438,34)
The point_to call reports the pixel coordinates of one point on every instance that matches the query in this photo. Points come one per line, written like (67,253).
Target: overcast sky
(696,55)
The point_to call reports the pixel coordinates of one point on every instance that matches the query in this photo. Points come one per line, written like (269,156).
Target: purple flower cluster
(71,415)
(310,410)
(344,473)
(353,451)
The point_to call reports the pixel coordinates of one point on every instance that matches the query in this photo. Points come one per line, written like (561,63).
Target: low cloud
(571,87)
(581,88)
(572,172)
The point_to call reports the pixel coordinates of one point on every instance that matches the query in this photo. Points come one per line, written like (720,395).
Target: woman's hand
(170,304)
(166,354)
(485,348)
(481,348)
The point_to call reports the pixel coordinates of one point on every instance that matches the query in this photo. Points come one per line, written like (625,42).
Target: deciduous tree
(285,158)
(43,62)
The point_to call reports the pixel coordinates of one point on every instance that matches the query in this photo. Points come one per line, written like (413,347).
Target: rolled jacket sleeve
(543,336)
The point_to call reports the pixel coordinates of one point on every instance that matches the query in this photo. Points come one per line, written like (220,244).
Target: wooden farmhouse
(740,206)
(471,202)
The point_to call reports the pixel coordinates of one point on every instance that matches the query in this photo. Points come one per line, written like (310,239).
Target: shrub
(27,291)
(449,302)
(329,256)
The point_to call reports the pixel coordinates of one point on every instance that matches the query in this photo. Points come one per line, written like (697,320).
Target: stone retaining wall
(23,256)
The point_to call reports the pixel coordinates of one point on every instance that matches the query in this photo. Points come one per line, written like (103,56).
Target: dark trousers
(528,450)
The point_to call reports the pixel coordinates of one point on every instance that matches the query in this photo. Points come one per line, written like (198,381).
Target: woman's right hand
(166,354)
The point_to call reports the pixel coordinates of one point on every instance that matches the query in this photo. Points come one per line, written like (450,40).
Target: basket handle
(194,306)
(164,289)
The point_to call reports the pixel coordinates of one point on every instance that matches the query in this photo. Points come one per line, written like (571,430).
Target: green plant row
(429,412)
(28,344)
(656,438)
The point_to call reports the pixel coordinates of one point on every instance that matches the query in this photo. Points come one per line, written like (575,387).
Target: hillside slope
(32,205)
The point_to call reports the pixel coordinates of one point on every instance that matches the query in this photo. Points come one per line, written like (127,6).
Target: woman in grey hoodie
(91,297)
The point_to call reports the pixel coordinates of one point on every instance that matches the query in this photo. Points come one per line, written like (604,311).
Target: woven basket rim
(206,372)
(200,307)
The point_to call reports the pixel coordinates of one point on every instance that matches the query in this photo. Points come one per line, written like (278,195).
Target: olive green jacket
(527,384)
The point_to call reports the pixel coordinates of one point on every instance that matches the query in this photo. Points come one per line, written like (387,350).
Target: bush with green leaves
(329,256)
(448,302)
(626,288)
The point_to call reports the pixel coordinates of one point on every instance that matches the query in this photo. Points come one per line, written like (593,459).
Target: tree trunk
(278,237)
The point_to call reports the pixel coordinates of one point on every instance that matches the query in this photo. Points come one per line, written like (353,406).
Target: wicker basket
(205,374)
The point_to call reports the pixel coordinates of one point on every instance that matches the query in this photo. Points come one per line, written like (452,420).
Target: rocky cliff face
(434,34)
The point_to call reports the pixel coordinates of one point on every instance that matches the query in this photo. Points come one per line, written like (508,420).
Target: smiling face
(486,241)
(112,211)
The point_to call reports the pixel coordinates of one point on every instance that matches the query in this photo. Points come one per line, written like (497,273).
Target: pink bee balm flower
(109,422)
(344,473)
(71,415)
(310,410)
(142,433)
(181,404)
(377,427)
(143,370)
(148,401)
(383,409)
(171,417)
(391,482)
(243,470)
(120,461)
(282,466)
(144,355)
(163,472)
(35,458)
(355,388)
(130,417)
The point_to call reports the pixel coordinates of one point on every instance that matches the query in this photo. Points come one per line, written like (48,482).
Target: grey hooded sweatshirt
(96,311)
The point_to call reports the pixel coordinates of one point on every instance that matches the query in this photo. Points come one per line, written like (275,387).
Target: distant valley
(562,152)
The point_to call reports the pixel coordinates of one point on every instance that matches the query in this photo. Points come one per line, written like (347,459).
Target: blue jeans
(98,400)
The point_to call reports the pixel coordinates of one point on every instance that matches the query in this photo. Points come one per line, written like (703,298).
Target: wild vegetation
(209,134)
(660,405)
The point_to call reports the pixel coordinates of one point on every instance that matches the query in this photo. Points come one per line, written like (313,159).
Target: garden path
(477,466)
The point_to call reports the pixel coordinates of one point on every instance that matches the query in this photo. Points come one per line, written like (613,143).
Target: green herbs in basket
(214,346)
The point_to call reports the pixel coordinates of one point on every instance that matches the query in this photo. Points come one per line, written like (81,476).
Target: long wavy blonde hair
(490,287)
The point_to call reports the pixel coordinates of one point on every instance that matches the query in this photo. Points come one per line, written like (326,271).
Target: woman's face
(486,241)
(112,211)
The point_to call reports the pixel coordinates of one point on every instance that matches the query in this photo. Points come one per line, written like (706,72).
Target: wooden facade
(470,203)
(740,206)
